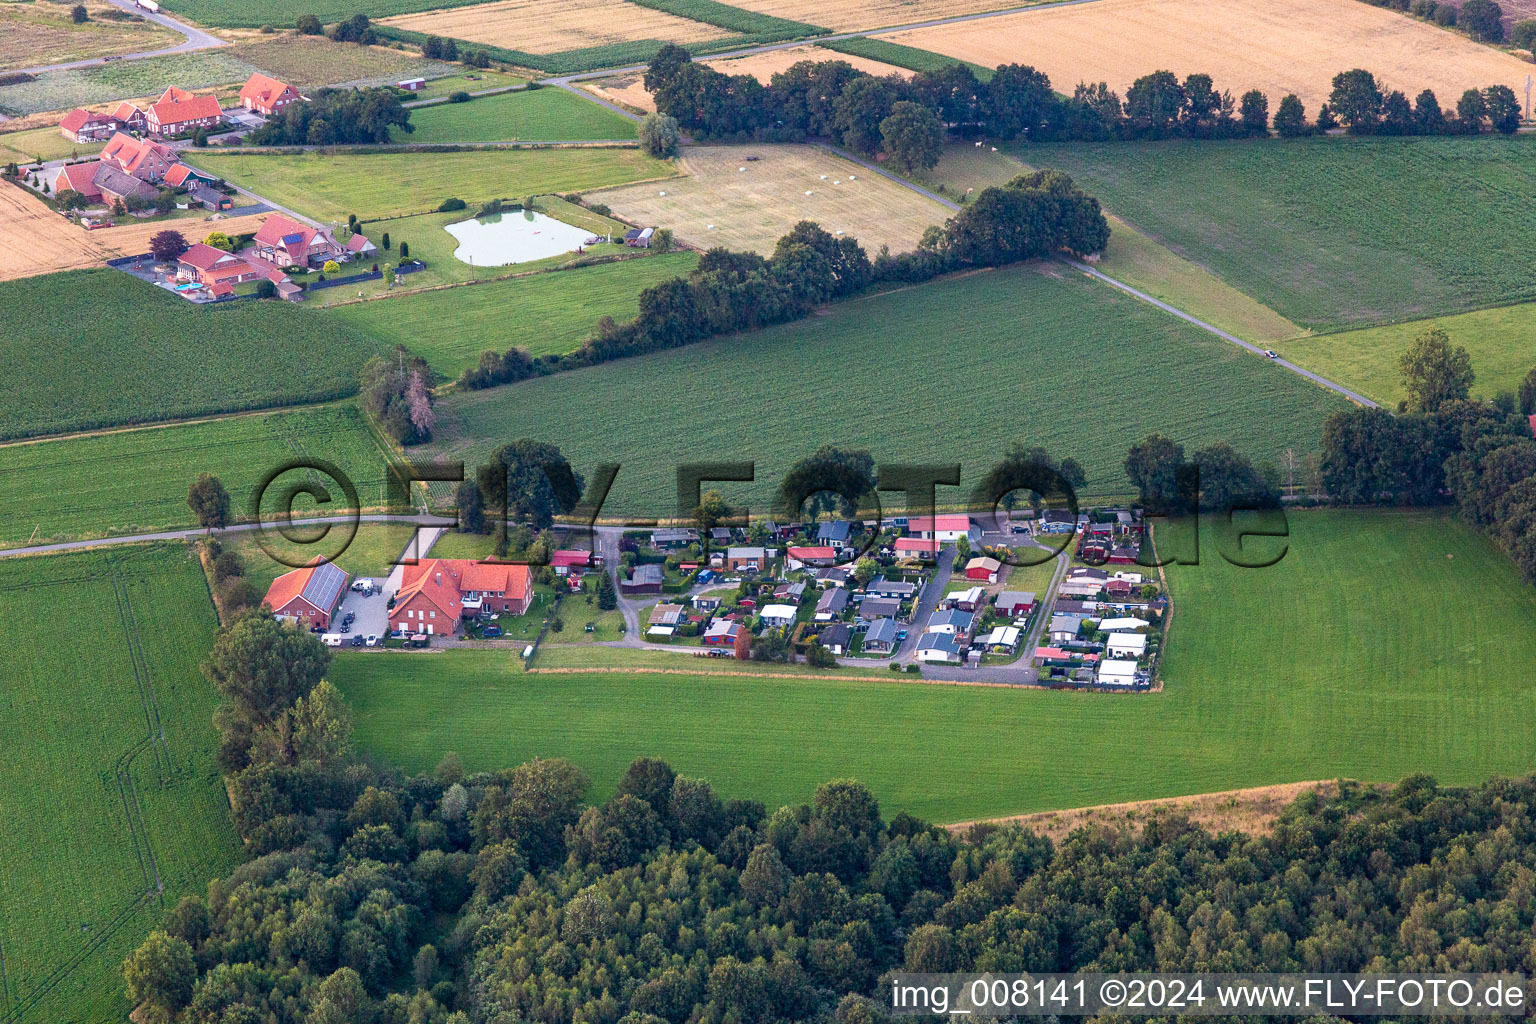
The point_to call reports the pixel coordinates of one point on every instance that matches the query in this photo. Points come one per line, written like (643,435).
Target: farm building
(647,579)
(267,95)
(178,111)
(79,178)
(435,594)
(801,557)
(881,636)
(114,185)
(283,241)
(307,596)
(209,266)
(944,528)
(983,568)
(639,238)
(779,615)
(938,648)
(81,125)
(1014,603)
(831,604)
(722,633)
(145,160)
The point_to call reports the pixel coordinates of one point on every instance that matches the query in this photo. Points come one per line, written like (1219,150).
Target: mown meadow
(133,481)
(1274,675)
(539,115)
(78,365)
(1331,232)
(952,371)
(97,817)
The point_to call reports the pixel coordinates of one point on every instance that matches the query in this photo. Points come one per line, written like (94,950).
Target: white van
(331,639)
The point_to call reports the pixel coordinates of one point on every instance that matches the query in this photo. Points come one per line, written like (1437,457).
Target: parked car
(357,641)
(1271,353)
(373,640)
(490,631)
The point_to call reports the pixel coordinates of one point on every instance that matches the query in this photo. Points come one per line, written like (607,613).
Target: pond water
(517,236)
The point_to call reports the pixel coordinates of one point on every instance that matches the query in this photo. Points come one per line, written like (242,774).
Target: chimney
(439,578)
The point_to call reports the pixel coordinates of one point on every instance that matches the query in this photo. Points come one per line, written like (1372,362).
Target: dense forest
(371,898)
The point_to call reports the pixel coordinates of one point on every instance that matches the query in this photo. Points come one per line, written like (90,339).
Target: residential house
(1123,625)
(916,547)
(180,176)
(129,116)
(1082,609)
(838,534)
(646,579)
(1058,657)
(880,638)
(983,568)
(786,592)
(178,111)
(667,615)
(266,95)
(81,125)
(706,603)
(744,559)
(836,576)
(307,596)
(1002,640)
(1117,673)
(938,648)
(777,616)
(837,637)
(436,593)
(567,560)
(873,608)
(1080,587)
(943,528)
(673,537)
(1117,589)
(968,600)
(801,557)
(209,266)
(1124,554)
(951,622)
(119,186)
(1064,628)
(1014,603)
(283,242)
(1127,645)
(79,178)
(721,535)
(722,633)
(832,603)
(1055,520)
(145,160)
(899,589)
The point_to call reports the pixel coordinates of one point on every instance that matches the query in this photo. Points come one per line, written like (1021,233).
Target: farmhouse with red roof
(307,596)
(209,266)
(78,178)
(266,95)
(178,111)
(129,115)
(434,595)
(145,160)
(283,241)
(81,125)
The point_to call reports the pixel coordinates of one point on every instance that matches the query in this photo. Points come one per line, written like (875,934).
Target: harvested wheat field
(1279,47)
(34,240)
(745,197)
(852,15)
(553,26)
(629,89)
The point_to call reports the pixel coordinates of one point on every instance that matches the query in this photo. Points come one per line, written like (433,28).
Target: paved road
(141,538)
(196,39)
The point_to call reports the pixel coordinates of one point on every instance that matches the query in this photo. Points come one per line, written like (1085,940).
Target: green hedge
(909,57)
(765,26)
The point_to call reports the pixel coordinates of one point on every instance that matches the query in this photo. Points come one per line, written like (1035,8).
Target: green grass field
(372,552)
(136,480)
(48,143)
(910,57)
(99,83)
(543,115)
(373,185)
(312,61)
(74,367)
(1331,232)
(553,312)
(467,81)
(94,813)
(950,371)
(282,13)
(1272,675)
(1501,341)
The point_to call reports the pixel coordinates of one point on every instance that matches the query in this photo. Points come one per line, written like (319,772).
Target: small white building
(779,615)
(1117,673)
(1123,625)
(1002,638)
(938,648)
(1127,645)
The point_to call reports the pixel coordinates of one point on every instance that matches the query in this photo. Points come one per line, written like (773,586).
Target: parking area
(369,611)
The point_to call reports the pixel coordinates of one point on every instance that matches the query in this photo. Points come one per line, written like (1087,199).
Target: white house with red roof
(209,266)
(266,95)
(178,111)
(307,596)
(81,125)
(945,528)
(145,160)
(435,594)
(284,242)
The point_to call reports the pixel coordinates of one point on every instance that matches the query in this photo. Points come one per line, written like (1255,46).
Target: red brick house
(307,596)
(266,95)
(145,160)
(434,595)
(178,111)
(78,178)
(283,241)
(81,125)
(209,266)
(129,116)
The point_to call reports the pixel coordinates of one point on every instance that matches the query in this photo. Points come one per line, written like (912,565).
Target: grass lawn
(392,184)
(100,83)
(1034,353)
(47,143)
(551,312)
(1331,232)
(1274,675)
(136,480)
(1036,578)
(543,115)
(73,368)
(576,613)
(95,812)
(372,553)
(1501,341)
(1131,256)
(466,81)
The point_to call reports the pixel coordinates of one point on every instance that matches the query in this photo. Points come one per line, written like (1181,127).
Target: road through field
(196,39)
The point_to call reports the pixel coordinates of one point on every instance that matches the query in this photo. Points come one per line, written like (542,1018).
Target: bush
(1482,20)
(1445,15)
(1523,33)
(459,96)
(309,25)
(265,289)
(448,206)
(1422,8)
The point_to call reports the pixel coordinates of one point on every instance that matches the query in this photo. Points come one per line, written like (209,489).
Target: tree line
(497,897)
(336,117)
(1035,215)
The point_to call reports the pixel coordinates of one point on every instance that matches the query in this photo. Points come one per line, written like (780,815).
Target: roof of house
(357,243)
(205,193)
(838,530)
(80,117)
(839,634)
(939,522)
(1065,623)
(780,611)
(723,627)
(673,533)
(177,105)
(1057,652)
(79,177)
(206,257)
(917,544)
(263,90)
(952,617)
(834,600)
(281,232)
(648,573)
(938,642)
(1013,598)
(126,111)
(1114,667)
(971,595)
(444,581)
(566,557)
(1136,642)
(881,631)
(319,584)
(879,606)
(666,614)
(881,585)
(983,562)
(816,552)
(1005,635)
(120,183)
(219,289)
(178,174)
(746,554)
(138,156)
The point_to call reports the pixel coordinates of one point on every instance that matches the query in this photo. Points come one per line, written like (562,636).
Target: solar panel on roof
(292,239)
(325,583)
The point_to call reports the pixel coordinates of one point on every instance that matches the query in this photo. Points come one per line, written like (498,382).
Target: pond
(517,236)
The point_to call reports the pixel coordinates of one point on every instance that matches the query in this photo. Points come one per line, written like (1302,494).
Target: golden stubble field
(38,33)
(34,240)
(745,204)
(553,26)
(629,89)
(1278,46)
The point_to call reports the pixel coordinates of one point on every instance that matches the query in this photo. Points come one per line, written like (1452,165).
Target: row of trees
(439,48)
(337,117)
(1483,20)
(1039,214)
(393,389)
(1360,104)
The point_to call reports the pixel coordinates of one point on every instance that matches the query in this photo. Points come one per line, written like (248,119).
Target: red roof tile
(176,106)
